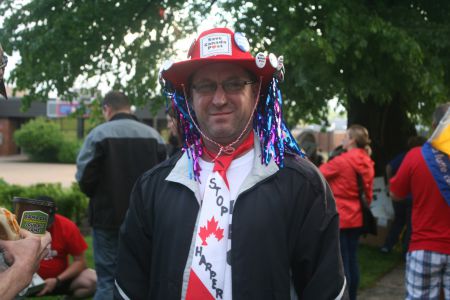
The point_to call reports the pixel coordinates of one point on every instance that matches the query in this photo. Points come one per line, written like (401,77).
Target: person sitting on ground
(62,278)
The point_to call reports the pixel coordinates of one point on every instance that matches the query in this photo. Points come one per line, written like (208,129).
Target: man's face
(223,113)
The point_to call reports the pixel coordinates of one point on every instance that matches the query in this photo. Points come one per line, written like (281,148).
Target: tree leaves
(375,49)
(60,41)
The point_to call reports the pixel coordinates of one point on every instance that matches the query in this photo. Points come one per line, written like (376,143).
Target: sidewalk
(391,286)
(16,169)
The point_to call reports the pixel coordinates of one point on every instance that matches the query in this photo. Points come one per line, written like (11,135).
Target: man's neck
(212,149)
(124,111)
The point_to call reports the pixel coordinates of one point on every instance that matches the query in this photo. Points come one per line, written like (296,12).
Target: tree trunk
(388,125)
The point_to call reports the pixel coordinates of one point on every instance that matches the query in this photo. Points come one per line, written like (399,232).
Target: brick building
(12,118)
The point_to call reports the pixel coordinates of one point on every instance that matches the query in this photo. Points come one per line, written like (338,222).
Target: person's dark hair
(46,198)
(416,141)
(439,113)
(116,100)
(360,134)
(52,212)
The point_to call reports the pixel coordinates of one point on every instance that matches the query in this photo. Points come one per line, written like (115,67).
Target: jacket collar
(122,115)
(259,172)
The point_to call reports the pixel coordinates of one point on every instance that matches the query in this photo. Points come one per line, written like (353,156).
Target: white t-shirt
(236,173)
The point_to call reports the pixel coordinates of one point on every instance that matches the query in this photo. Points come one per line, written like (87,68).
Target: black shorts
(62,289)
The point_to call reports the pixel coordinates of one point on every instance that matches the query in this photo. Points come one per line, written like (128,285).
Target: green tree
(387,62)
(59,41)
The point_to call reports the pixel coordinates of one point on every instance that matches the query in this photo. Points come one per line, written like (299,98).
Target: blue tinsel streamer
(275,138)
(189,134)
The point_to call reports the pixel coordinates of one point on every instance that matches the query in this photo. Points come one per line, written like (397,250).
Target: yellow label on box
(34,221)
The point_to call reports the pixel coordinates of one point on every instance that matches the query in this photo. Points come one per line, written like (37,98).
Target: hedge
(44,141)
(71,202)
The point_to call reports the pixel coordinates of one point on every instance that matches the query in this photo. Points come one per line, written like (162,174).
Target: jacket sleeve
(317,270)
(132,280)
(89,165)
(331,168)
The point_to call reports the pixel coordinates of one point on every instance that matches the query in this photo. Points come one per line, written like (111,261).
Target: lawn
(373,264)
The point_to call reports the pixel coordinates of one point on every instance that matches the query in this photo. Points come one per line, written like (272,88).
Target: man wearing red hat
(240,214)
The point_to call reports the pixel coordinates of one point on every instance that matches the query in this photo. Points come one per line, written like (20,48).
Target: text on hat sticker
(215,44)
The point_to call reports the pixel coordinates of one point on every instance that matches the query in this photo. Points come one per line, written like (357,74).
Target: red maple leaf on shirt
(210,228)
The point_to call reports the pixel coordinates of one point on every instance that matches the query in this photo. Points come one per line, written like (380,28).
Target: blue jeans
(349,245)
(106,243)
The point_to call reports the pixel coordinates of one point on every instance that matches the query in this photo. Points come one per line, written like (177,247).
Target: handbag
(369,221)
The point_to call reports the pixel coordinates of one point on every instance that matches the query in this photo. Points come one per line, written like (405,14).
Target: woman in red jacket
(340,173)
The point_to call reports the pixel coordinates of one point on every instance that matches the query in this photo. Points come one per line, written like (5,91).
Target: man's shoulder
(64,221)
(123,128)
(414,155)
(304,168)
(161,170)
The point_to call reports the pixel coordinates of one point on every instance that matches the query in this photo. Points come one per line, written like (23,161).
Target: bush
(68,151)
(71,202)
(43,141)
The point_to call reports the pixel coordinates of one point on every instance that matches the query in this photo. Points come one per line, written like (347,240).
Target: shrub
(43,141)
(68,151)
(71,202)
(40,139)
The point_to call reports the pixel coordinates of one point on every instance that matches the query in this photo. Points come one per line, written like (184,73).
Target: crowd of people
(234,208)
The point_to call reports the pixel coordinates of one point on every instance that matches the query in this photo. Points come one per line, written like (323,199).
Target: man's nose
(219,97)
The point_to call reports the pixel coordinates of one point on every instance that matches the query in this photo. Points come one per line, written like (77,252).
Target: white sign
(215,44)
(381,205)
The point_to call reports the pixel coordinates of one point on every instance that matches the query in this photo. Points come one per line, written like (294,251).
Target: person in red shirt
(341,174)
(60,276)
(428,258)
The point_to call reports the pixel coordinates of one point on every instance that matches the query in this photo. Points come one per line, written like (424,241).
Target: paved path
(17,170)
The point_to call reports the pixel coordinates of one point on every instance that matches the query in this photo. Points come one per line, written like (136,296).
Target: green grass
(372,263)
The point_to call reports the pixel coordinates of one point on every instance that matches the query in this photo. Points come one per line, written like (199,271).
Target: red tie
(223,162)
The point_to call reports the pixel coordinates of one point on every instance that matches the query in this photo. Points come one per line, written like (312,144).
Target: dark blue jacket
(285,235)
(113,156)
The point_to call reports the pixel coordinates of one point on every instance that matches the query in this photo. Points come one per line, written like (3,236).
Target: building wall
(7,128)
(327,141)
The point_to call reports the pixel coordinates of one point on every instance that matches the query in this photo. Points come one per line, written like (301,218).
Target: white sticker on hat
(215,44)
(273,60)
(280,62)
(260,60)
(241,42)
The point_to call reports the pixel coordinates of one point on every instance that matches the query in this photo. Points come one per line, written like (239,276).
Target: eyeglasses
(4,62)
(229,86)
